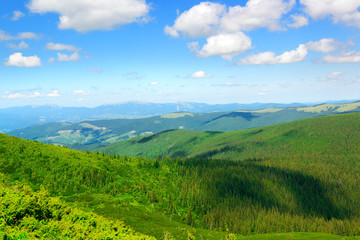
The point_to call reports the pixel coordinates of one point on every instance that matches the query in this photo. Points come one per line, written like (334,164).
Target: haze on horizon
(107,52)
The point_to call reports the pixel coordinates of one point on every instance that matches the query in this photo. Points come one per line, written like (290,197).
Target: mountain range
(25,116)
(91,135)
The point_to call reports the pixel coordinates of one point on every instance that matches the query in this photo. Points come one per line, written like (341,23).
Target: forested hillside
(89,135)
(329,137)
(301,176)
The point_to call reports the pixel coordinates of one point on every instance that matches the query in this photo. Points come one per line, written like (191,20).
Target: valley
(300,176)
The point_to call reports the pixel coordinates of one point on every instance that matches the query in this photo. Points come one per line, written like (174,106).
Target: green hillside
(333,136)
(90,135)
(301,176)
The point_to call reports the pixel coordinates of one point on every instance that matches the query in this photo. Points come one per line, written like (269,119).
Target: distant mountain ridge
(90,135)
(21,117)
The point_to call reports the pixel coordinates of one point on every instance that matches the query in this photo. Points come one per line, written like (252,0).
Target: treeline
(263,196)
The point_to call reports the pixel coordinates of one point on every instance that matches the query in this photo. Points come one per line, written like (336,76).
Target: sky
(95,52)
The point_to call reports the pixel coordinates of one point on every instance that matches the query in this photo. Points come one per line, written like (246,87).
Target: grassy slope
(310,136)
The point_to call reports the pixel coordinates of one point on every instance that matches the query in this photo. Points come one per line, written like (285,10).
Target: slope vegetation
(29,215)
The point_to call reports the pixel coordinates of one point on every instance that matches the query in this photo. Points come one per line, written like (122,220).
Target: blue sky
(94,52)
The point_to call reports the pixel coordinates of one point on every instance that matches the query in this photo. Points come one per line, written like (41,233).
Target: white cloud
(325,45)
(200,74)
(99,70)
(17,15)
(334,75)
(225,45)
(23,35)
(344,57)
(18,60)
(293,56)
(223,26)
(207,18)
(60,47)
(154,83)
(21,45)
(256,14)
(299,21)
(24,96)
(81,93)
(341,11)
(67,58)
(53,94)
(201,20)
(88,15)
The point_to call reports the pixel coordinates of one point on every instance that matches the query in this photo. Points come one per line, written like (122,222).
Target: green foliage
(27,215)
(296,177)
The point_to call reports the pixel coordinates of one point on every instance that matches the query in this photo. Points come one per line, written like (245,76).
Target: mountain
(316,135)
(90,135)
(301,176)
(21,117)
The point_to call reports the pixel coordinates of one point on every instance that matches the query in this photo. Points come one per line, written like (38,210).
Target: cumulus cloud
(19,95)
(256,14)
(298,21)
(225,45)
(23,35)
(81,93)
(325,45)
(341,11)
(21,45)
(67,58)
(200,74)
(17,15)
(344,57)
(293,56)
(88,15)
(201,20)
(18,60)
(207,18)
(61,47)
(154,83)
(223,26)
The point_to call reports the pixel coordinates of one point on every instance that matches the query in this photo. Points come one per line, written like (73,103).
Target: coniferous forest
(302,176)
